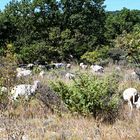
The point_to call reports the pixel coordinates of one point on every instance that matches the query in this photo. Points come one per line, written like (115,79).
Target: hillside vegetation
(56,30)
(87,106)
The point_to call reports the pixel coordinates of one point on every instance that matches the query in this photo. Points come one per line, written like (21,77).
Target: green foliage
(119,21)
(116,54)
(130,44)
(59,29)
(66,27)
(90,95)
(96,56)
(38,51)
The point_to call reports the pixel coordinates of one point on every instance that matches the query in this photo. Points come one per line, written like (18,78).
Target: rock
(25,137)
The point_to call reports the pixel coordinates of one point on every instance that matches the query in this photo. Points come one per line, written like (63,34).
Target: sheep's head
(37,83)
(81,64)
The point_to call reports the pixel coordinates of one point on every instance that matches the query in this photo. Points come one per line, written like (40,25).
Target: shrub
(97,56)
(116,54)
(91,95)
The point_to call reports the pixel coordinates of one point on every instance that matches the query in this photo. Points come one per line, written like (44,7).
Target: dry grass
(71,127)
(35,121)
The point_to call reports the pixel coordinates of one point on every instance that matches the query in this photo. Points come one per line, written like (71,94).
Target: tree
(120,21)
(85,19)
(130,44)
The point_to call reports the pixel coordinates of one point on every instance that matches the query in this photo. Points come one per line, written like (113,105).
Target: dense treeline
(53,30)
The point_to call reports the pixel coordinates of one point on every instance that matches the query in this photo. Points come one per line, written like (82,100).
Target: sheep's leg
(131,108)
(130,104)
(133,99)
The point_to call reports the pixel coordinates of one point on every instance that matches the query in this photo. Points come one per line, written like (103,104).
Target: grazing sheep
(25,89)
(42,66)
(59,65)
(69,76)
(117,69)
(68,66)
(97,68)
(30,66)
(130,95)
(49,66)
(20,69)
(134,76)
(21,72)
(83,66)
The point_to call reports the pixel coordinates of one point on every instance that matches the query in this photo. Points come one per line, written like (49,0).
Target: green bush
(97,56)
(91,95)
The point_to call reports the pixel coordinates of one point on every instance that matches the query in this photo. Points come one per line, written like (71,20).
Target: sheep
(134,76)
(49,66)
(117,69)
(30,66)
(130,95)
(83,66)
(69,76)
(59,65)
(19,69)
(41,66)
(97,68)
(21,72)
(68,66)
(24,89)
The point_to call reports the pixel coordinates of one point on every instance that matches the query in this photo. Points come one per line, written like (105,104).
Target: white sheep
(30,65)
(117,69)
(129,95)
(69,76)
(97,68)
(68,66)
(41,66)
(83,66)
(20,69)
(25,90)
(59,65)
(23,72)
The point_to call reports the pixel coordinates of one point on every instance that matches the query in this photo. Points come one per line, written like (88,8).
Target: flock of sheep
(130,95)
